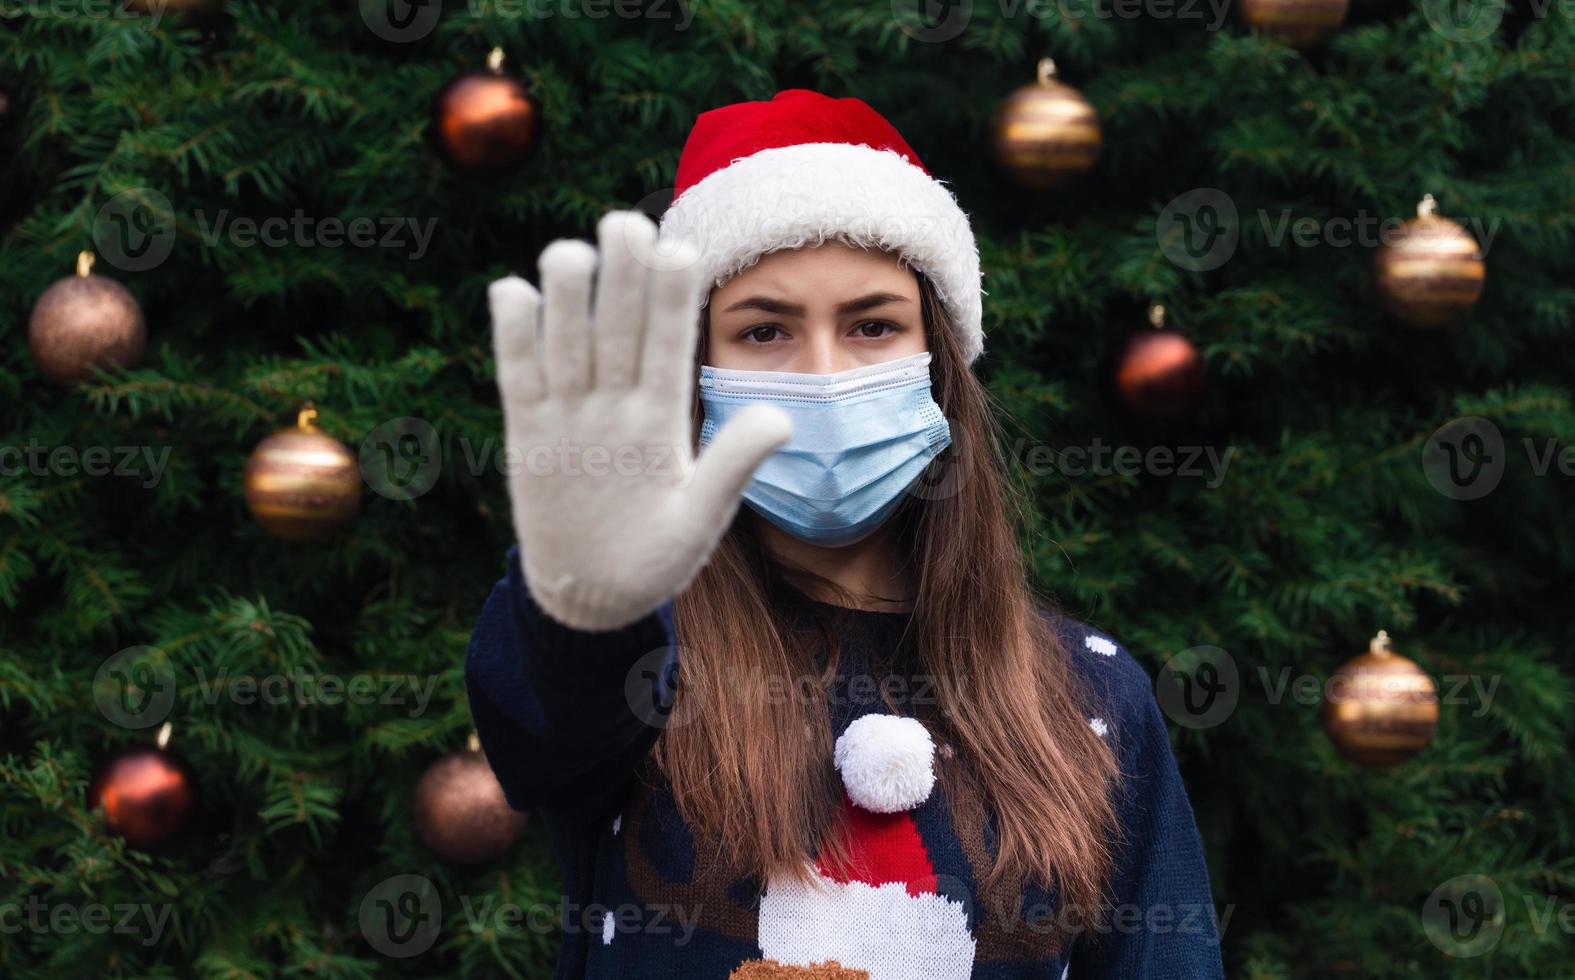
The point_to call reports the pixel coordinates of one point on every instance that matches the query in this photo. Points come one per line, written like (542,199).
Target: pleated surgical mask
(860,439)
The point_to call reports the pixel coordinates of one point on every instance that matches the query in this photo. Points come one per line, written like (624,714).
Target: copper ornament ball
(460,810)
(83,322)
(1380,708)
(1431,272)
(148,796)
(486,122)
(302,484)
(1299,23)
(1045,134)
(1159,374)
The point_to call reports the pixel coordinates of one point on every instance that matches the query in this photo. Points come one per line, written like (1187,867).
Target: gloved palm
(613,512)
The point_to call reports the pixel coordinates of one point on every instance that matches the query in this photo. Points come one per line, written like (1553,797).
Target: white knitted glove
(613,512)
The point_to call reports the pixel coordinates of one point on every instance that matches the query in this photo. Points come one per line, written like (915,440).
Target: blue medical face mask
(860,439)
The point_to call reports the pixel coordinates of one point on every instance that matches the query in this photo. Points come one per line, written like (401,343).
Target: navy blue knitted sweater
(560,717)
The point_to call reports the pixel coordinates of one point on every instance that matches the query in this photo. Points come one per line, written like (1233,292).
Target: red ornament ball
(461,812)
(1159,375)
(147,795)
(486,122)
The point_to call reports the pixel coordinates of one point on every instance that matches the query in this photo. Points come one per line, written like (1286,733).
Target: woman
(831,733)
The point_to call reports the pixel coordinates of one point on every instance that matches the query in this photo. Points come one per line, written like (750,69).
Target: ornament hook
(1046,70)
(85,260)
(1156,316)
(473,743)
(495,61)
(306,416)
(162,739)
(1426,206)
(1379,643)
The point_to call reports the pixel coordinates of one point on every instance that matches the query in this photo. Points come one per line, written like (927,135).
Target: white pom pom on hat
(887,762)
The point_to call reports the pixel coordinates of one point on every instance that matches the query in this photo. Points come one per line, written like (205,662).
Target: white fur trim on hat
(887,762)
(796,196)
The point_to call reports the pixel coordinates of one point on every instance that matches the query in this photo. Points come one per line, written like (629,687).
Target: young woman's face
(816,310)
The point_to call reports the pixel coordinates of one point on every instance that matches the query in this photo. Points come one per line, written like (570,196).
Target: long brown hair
(748,780)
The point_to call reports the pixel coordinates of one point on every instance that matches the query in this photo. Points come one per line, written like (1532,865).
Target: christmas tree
(264,180)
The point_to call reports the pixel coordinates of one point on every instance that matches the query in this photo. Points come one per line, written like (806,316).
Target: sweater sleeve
(565,715)
(1162,920)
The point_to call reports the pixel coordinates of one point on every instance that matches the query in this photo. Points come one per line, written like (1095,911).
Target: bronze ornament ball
(1299,23)
(1159,373)
(302,484)
(460,810)
(83,322)
(1380,708)
(1431,272)
(148,796)
(1045,134)
(486,122)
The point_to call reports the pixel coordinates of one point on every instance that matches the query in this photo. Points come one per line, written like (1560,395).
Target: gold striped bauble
(1299,23)
(301,483)
(1430,272)
(1045,134)
(1380,708)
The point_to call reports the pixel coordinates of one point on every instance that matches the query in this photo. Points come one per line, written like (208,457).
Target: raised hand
(613,512)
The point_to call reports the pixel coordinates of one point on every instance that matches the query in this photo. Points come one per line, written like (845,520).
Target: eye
(883,328)
(762,333)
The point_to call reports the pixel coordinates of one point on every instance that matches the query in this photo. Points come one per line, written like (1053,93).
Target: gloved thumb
(733,455)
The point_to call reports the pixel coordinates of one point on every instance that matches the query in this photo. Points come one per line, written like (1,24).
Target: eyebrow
(792,309)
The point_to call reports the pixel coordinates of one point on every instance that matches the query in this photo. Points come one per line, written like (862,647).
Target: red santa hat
(757,177)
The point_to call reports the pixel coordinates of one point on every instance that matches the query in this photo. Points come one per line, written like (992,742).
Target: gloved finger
(567,266)
(516,341)
(672,331)
(626,240)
